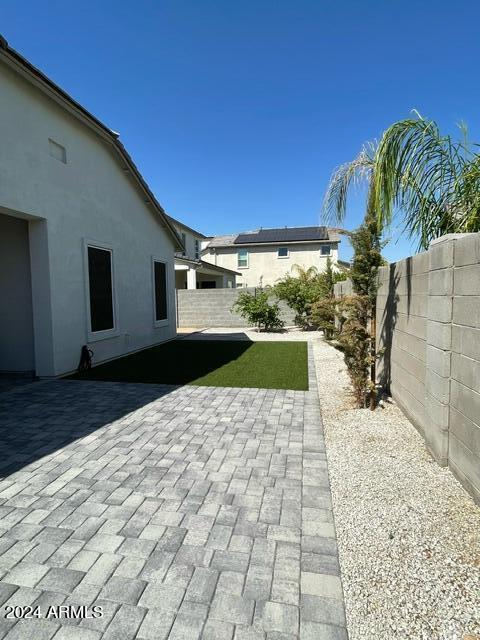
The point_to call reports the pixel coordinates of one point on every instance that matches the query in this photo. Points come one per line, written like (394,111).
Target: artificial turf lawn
(211,363)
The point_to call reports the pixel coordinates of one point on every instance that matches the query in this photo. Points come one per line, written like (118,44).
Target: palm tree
(432,179)
(304,274)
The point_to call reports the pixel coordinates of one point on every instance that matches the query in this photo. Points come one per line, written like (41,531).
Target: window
(242,258)
(57,151)
(184,241)
(197,250)
(100,287)
(325,250)
(282,252)
(160,283)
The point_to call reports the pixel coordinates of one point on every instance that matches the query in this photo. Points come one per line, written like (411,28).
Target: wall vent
(57,151)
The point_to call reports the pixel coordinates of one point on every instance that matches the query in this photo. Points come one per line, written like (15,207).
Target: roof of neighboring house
(221,241)
(174,221)
(203,263)
(25,68)
(282,235)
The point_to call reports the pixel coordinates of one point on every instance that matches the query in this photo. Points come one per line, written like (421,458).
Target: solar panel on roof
(292,234)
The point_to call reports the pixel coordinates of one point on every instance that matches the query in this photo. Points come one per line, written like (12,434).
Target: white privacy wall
(88,198)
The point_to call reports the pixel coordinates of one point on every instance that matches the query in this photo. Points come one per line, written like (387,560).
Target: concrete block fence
(428,326)
(212,308)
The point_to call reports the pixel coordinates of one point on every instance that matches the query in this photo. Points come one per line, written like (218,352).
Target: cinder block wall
(212,308)
(428,333)
(401,334)
(464,406)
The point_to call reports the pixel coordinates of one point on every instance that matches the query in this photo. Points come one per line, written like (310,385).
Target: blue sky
(237,112)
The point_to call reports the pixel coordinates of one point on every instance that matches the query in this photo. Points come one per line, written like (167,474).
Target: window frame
(104,334)
(184,240)
(165,321)
(197,249)
(283,257)
(325,255)
(246,266)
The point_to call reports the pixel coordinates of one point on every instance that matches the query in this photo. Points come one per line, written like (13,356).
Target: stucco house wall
(189,235)
(91,198)
(16,323)
(190,272)
(264,266)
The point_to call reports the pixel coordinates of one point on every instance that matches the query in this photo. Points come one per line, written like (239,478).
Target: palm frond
(347,175)
(432,179)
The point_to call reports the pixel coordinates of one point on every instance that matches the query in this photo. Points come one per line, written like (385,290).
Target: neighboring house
(191,272)
(266,255)
(86,251)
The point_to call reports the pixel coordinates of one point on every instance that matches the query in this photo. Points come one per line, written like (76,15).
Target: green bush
(301,292)
(354,340)
(256,309)
(323,316)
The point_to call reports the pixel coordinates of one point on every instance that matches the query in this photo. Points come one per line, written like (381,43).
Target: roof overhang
(201,266)
(24,68)
(174,221)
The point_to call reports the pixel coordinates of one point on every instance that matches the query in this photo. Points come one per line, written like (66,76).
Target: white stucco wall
(90,198)
(190,238)
(16,323)
(264,267)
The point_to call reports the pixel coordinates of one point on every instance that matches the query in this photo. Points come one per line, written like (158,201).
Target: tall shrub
(357,337)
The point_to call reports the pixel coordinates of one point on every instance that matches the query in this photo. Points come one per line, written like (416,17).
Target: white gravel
(408,533)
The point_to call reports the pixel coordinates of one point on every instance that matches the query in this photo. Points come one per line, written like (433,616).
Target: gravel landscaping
(408,533)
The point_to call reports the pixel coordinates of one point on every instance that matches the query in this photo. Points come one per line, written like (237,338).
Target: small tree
(323,316)
(357,337)
(257,310)
(354,341)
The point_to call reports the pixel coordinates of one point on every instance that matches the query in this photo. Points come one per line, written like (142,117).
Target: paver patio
(185,512)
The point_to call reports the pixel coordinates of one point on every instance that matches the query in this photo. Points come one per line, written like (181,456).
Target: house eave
(198,264)
(36,77)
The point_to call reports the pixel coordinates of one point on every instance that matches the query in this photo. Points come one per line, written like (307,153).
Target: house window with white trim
(242,259)
(325,250)
(100,286)
(160,290)
(197,249)
(282,252)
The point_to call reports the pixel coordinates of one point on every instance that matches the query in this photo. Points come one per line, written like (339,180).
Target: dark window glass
(160,291)
(101,294)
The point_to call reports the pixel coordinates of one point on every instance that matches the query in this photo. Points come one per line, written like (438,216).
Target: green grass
(212,363)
